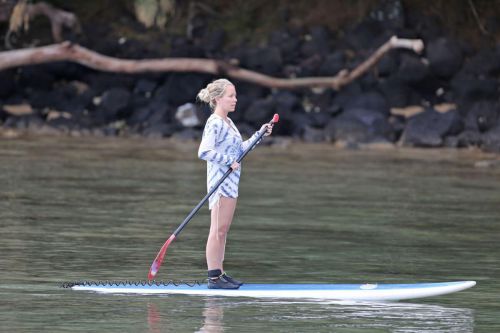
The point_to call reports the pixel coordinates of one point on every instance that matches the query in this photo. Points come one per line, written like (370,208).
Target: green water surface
(100,209)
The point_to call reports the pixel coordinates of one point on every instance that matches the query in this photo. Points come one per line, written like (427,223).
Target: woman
(221,146)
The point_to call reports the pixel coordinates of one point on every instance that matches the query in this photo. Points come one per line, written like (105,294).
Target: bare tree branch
(70,52)
(476,17)
(23,12)
(58,18)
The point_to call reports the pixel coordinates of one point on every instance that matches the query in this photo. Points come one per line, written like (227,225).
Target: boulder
(319,119)
(183,88)
(389,64)
(369,34)
(430,90)
(189,115)
(318,102)
(313,134)
(486,62)
(377,123)
(266,60)
(482,116)
(181,47)
(259,112)
(113,102)
(332,64)
(139,116)
(145,87)
(397,124)
(152,113)
(397,93)
(297,122)
(347,95)
(3,115)
(411,69)
(102,81)
(347,129)
(428,129)
(63,124)
(285,101)
(445,56)
(161,113)
(7,83)
(287,42)
(491,139)
(370,100)
(467,89)
(65,70)
(31,121)
(213,42)
(469,138)
(309,66)
(316,42)
(241,106)
(64,98)
(35,77)
(253,91)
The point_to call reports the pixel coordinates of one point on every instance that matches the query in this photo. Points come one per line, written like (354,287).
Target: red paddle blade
(276,118)
(159,258)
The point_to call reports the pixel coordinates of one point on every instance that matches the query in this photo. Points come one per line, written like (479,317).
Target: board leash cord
(143,283)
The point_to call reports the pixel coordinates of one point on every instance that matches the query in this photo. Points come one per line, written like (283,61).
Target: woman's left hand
(268,128)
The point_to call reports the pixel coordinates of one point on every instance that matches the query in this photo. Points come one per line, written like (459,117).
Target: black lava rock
(482,116)
(428,129)
(445,57)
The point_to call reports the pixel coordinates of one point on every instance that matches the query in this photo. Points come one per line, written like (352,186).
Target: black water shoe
(232,280)
(221,283)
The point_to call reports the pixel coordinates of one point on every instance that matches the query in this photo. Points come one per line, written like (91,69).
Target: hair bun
(204,95)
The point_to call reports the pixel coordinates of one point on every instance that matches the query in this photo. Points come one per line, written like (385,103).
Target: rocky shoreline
(447,97)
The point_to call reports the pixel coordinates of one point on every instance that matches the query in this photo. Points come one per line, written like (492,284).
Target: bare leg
(221,218)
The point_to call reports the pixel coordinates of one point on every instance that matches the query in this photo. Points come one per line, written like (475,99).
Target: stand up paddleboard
(355,292)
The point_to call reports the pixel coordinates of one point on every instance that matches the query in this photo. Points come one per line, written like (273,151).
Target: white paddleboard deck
(355,292)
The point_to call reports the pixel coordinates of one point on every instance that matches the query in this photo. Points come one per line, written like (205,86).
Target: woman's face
(227,102)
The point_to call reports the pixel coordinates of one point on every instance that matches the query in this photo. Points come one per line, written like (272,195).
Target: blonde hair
(212,91)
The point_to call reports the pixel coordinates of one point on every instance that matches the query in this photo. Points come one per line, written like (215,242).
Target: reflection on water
(372,317)
(213,315)
(154,322)
(92,209)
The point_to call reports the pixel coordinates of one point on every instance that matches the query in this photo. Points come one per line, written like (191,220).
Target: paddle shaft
(228,172)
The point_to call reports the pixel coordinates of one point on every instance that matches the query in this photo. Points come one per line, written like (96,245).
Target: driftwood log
(59,19)
(20,13)
(67,51)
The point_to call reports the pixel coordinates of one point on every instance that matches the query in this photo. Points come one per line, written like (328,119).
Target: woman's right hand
(235,166)
(268,128)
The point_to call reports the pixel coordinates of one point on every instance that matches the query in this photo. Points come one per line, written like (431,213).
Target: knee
(220,231)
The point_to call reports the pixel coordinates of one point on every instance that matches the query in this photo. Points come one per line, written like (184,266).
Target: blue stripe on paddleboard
(280,287)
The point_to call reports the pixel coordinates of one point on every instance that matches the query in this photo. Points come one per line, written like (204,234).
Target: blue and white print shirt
(220,146)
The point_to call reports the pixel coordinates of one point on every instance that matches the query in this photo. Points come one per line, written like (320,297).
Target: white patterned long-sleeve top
(221,145)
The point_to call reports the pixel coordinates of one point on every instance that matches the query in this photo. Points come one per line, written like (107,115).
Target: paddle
(159,257)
